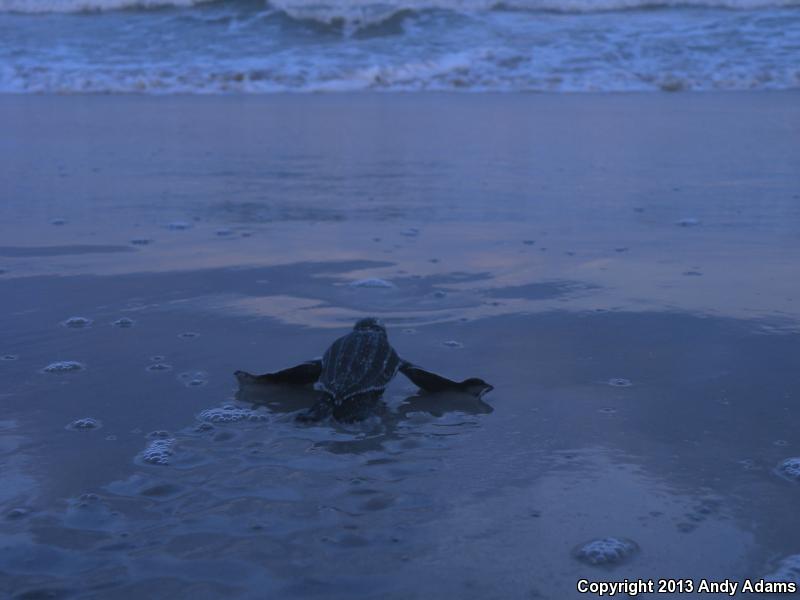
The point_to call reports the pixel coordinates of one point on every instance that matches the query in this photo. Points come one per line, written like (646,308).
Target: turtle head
(370,324)
(476,387)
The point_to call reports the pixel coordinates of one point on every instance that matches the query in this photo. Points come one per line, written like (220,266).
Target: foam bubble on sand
(231,414)
(748,464)
(85,424)
(606,551)
(452,344)
(124,323)
(688,222)
(410,232)
(158,451)
(77,322)
(89,497)
(788,570)
(159,366)
(20,512)
(64,366)
(9,357)
(372,283)
(187,335)
(790,468)
(58,222)
(620,382)
(178,225)
(194,378)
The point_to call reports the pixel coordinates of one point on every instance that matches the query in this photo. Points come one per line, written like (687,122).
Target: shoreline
(401,93)
(249,185)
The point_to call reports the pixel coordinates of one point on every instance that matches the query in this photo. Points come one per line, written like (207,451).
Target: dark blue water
(251,46)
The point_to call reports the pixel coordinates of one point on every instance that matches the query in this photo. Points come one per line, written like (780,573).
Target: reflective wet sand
(622,268)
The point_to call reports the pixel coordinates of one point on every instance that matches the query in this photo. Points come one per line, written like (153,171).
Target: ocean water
(255,46)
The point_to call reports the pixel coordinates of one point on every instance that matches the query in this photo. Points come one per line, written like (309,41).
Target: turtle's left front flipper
(302,374)
(431,382)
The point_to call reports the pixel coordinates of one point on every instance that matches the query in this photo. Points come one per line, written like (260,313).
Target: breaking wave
(90,6)
(255,47)
(350,10)
(451,73)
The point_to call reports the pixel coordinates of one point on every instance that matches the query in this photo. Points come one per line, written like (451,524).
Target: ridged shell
(359,362)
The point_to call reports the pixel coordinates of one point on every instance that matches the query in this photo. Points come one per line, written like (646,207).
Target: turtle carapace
(354,372)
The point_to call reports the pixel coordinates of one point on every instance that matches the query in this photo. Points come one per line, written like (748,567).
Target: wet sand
(622,268)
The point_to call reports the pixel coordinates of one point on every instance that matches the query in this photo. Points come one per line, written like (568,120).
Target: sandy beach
(623,268)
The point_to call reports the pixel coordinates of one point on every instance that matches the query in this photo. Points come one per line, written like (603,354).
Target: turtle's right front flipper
(302,374)
(433,383)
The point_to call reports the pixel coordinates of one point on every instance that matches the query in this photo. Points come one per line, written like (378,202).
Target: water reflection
(389,421)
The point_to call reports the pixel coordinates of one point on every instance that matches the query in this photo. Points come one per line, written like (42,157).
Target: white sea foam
(606,551)
(64,366)
(370,11)
(372,282)
(788,570)
(158,452)
(78,6)
(409,45)
(790,469)
(159,366)
(77,322)
(231,414)
(178,225)
(443,73)
(355,14)
(85,424)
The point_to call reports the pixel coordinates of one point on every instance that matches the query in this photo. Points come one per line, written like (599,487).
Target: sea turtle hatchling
(354,372)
